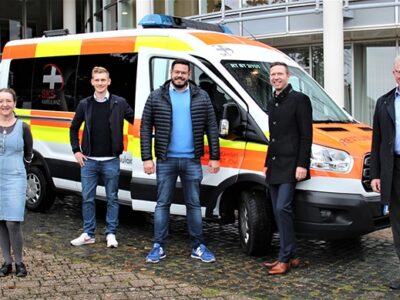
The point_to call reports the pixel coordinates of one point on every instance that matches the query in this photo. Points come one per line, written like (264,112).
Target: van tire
(39,194)
(256,222)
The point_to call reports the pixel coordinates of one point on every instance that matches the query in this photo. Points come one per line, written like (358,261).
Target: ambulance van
(52,74)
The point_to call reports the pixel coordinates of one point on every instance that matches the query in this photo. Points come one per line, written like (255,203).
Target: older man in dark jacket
(180,113)
(385,156)
(288,159)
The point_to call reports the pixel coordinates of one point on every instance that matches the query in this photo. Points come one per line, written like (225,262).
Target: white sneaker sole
(88,242)
(155,261)
(203,260)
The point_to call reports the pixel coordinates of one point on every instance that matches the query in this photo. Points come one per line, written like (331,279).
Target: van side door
(155,66)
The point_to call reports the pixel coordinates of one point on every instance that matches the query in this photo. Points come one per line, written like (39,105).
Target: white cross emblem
(53,78)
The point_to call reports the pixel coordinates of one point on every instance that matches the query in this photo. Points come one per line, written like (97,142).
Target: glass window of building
(300,55)
(184,8)
(216,5)
(126,14)
(373,64)
(250,3)
(110,15)
(348,79)
(317,67)
(26,19)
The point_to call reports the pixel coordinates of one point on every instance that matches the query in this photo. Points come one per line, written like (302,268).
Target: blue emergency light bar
(165,21)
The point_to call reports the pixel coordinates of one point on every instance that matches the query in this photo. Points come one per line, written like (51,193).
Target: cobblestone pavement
(355,269)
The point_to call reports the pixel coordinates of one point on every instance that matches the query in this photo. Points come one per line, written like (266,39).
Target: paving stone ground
(350,269)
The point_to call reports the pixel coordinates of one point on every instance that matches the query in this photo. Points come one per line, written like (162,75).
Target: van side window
(44,83)
(122,68)
(59,83)
(53,83)
(160,72)
(216,94)
(20,79)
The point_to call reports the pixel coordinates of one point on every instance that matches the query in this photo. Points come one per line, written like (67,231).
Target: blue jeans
(108,170)
(190,173)
(282,199)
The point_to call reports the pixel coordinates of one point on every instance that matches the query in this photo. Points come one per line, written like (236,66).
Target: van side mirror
(229,122)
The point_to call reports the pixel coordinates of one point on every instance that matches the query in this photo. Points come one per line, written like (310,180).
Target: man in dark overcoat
(385,156)
(288,159)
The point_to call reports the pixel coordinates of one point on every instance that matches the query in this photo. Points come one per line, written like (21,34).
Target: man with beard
(180,113)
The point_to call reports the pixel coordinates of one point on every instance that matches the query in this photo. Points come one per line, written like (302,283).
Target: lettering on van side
(353,139)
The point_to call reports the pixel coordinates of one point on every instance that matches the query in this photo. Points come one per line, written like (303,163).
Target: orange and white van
(52,74)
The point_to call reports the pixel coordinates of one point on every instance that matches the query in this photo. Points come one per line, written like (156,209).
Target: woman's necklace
(9,124)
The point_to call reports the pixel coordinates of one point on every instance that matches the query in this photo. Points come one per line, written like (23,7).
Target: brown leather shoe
(271,263)
(294,263)
(280,268)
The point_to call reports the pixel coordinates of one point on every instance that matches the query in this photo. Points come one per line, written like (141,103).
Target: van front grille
(366,173)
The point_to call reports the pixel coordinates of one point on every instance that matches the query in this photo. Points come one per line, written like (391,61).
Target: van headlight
(329,159)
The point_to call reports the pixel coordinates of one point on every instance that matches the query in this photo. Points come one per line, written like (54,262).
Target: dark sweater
(101,134)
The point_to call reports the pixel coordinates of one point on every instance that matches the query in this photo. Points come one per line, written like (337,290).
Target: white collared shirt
(173,88)
(106,97)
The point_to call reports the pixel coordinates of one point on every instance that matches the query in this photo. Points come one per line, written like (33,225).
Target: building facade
(296,27)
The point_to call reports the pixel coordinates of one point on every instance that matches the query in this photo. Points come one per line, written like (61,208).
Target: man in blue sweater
(180,113)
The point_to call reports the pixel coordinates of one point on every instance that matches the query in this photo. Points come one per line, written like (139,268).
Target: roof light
(55,32)
(165,21)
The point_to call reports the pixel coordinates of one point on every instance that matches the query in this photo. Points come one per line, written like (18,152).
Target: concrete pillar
(143,7)
(69,15)
(333,50)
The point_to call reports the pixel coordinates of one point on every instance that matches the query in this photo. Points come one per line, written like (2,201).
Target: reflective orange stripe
(135,128)
(19,51)
(210,38)
(108,45)
(55,114)
(50,123)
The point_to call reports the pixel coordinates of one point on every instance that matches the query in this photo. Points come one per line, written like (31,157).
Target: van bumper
(337,216)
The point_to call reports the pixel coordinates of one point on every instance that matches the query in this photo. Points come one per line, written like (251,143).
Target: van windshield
(253,76)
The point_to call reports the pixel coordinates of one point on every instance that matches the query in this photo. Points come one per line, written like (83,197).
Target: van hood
(354,138)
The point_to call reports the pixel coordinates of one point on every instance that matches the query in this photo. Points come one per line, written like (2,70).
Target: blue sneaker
(155,254)
(201,252)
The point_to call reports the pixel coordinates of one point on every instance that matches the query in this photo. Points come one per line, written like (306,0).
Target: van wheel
(256,222)
(39,196)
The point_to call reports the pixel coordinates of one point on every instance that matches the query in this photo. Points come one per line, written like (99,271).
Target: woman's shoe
(20,270)
(5,269)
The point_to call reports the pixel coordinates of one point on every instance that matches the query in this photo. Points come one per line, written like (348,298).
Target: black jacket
(383,138)
(120,110)
(290,126)
(157,114)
